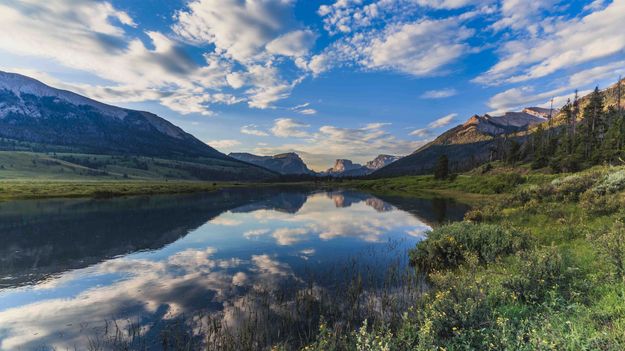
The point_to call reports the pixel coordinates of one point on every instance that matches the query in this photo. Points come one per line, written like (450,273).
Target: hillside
(485,138)
(466,145)
(287,163)
(37,118)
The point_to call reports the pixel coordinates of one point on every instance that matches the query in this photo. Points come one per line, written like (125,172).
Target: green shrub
(541,271)
(611,243)
(611,183)
(506,182)
(449,246)
(571,187)
(485,213)
(599,204)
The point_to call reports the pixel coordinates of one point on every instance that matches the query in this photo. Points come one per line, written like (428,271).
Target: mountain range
(346,168)
(469,144)
(36,117)
(292,164)
(93,138)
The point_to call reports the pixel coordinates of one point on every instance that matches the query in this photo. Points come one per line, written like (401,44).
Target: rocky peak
(343,165)
(381,161)
(540,112)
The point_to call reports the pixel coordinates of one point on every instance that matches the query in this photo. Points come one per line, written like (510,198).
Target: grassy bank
(37,189)
(541,266)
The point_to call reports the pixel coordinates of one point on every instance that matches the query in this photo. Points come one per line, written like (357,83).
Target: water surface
(70,266)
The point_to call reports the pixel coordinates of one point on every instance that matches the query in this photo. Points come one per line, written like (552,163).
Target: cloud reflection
(195,274)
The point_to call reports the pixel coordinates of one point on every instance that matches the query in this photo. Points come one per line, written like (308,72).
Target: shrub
(505,182)
(455,313)
(611,183)
(612,246)
(597,204)
(449,246)
(485,213)
(541,271)
(571,187)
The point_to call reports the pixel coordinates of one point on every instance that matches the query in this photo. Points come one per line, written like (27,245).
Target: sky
(327,79)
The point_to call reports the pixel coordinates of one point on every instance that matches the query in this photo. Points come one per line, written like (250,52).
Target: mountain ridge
(41,118)
(481,139)
(289,163)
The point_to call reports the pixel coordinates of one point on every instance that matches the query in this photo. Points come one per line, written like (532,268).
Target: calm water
(70,267)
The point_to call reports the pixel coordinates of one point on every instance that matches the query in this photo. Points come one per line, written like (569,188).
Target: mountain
(484,138)
(346,168)
(381,161)
(37,117)
(468,144)
(287,163)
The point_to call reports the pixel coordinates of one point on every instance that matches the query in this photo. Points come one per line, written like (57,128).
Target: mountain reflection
(144,259)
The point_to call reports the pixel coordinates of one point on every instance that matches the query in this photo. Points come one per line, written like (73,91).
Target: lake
(246,266)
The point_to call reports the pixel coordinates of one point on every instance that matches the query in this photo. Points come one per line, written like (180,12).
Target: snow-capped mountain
(33,112)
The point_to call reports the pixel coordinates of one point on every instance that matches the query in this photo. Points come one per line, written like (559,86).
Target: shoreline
(24,189)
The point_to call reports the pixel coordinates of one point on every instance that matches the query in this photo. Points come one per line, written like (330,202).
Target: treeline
(589,131)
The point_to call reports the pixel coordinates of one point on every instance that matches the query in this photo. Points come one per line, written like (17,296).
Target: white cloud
(308,111)
(443,121)
(523,15)
(304,109)
(252,129)
(419,48)
(439,123)
(224,143)
(93,37)
(289,236)
(421,133)
(296,43)
(239,29)
(250,234)
(524,96)
(595,75)
(439,94)
(447,4)
(567,44)
(289,128)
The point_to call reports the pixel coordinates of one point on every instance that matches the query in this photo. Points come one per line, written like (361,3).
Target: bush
(541,272)
(458,313)
(449,246)
(506,182)
(612,182)
(611,243)
(485,213)
(571,187)
(597,204)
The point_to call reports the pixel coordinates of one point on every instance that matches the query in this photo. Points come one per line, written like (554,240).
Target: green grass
(17,165)
(36,189)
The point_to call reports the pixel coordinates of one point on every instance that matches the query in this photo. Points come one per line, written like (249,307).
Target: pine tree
(539,156)
(513,152)
(596,126)
(442,168)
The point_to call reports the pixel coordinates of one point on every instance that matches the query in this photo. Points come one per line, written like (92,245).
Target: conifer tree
(442,168)
(539,157)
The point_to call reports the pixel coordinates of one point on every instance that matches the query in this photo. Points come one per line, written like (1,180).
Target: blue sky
(328,79)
